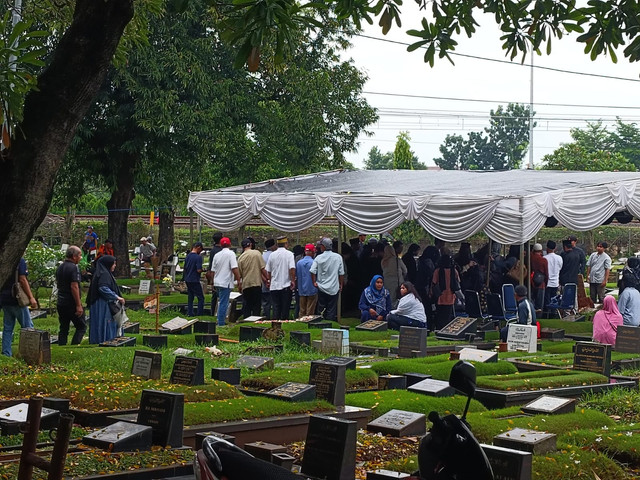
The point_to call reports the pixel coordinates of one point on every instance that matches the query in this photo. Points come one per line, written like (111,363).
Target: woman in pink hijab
(606,321)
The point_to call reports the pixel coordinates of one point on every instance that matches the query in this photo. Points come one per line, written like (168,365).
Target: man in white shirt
(267,306)
(598,268)
(554,264)
(327,274)
(225,270)
(281,279)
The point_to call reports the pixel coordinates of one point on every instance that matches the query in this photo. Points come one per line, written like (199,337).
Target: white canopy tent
(509,206)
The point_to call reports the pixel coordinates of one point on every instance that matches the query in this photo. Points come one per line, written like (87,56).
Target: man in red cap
(225,270)
(307,291)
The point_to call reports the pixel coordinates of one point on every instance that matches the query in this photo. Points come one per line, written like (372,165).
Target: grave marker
(120,342)
(206,339)
(204,327)
(252,318)
(35,346)
(130,327)
(434,388)
(330,448)
(13,418)
(399,423)
(373,326)
(121,437)
(458,328)
(147,364)
(329,380)
(188,371)
(335,340)
(300,338)
(628,339)
(229,375)
(294,392)
(182,351)
(592,357)
(164,412)
(522,337)
(179,325)
(550,405)
(526,440)
(413,378)
(392,382)
(348,362)
(255,363)
(476,355)
(145,287)
(509,464)
(154,341)
(412,342)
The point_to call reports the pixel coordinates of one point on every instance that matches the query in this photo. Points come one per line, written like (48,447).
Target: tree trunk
(119,206)
(51,115)
(69,220)
(165,236)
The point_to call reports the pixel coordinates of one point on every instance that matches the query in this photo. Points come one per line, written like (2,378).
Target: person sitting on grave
(375,301)
(410,311)
(526,311)
(101,300)
(606,321)
(629,301)
(106,249)
(147,252)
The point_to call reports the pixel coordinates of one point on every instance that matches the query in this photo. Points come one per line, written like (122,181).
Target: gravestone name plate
(164,412)
(392,382)
(120,342)
(592,357)
(329,380)
(178,324)
(131,327)
(434,388)
(526,440)
(294,392)
(348,362)
(121,437)
(188,371)
(550,405)
(458,328)
(252,318)
(522,338)
(255,362)
(507,463)
(147,364)
(399,423)
(412,342)
(145,287)
(335,340)
(373,326)
(35,346)
(628,339)
(477,355)
(330,448)
(300,338)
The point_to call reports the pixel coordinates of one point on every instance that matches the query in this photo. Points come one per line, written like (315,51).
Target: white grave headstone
(145,287)
(335,340)
(522,338)
(476,355)
(178,323)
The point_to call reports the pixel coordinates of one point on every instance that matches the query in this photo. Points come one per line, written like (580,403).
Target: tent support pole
(489,263)
(190,227)
(340,253)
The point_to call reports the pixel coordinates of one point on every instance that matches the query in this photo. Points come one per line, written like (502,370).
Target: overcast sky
(431,103)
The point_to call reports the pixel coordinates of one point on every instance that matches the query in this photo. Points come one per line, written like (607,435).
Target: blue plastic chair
(495,309)
(509,303)
(567,301)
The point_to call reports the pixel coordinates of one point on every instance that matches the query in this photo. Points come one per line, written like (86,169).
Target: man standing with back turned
(69,303)
(327,273)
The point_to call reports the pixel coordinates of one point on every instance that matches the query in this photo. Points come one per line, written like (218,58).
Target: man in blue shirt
(10,308)
(90,245)
(629,306)
(327,272)
(191,276)
(307,291)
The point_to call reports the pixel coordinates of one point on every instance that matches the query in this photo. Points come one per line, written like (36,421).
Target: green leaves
(20,51)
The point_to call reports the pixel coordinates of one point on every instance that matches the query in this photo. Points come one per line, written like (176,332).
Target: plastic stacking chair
(495,309)
(509,303)
(566,305)
(472,305)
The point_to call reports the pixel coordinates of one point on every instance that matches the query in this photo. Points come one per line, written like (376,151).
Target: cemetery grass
(362,378)
(565,360)
(439,366)
(618,403)
(539,380)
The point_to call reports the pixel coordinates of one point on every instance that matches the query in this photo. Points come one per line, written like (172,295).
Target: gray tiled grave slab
(373,326)
(550,405)
(121,437)
(399,423)
(294,392)
(255,362)
(509,464)
(526,440)
(458,328)
(434,388)
(476,355)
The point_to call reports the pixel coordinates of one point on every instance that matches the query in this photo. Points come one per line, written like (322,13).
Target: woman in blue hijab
(375,301)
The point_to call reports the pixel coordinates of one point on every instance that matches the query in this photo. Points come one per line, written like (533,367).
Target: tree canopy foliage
(597,149)
(401,158)
(501,146)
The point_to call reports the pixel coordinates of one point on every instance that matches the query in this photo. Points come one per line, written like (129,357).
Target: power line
(496,60)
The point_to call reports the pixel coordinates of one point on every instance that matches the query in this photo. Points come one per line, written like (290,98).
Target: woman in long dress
(606,321)
(103,291)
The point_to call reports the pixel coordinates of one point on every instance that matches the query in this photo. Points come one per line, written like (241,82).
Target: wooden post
(157,310)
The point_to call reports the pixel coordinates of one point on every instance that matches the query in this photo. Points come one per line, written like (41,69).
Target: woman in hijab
(103,291)
(606,321)
(410,262)
(375,301)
